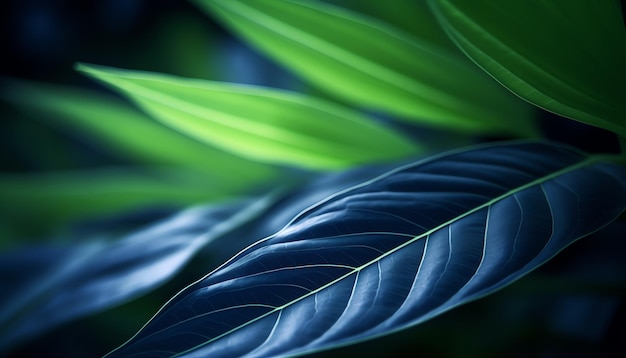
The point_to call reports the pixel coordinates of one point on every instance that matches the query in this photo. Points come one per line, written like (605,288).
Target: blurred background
(43,39)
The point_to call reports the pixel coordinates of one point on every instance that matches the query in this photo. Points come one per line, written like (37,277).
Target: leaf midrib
(588,161)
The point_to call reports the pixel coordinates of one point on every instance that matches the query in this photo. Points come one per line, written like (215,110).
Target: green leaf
(43,202)
(374,65)
(413,17)
(258,123)
(564,56)
(128,132)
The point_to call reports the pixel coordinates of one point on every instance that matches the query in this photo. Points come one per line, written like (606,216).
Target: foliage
(349,201)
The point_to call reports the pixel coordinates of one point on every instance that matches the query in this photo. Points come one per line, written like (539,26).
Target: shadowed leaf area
(570,61)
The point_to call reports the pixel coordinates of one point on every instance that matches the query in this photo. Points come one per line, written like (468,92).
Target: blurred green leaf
(128,132)
(52,152)
(413,17)
(259,123)
(43,202)
(564,56)
(374,65)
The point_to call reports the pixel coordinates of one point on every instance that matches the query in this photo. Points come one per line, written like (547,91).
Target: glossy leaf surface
(45,286)
(564,56)
(391,253)
(374,65)
(259,123)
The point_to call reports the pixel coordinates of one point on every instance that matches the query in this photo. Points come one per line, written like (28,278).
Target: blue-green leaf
(259,123)
(564,56)
(391,253)
(45,286)
(375,65)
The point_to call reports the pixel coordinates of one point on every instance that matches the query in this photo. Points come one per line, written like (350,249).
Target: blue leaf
(391,253)
(43,287)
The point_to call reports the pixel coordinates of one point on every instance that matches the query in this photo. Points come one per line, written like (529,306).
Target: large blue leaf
(391,253)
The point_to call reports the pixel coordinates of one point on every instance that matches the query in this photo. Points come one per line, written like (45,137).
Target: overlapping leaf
(181,170)
(564,56)
(391,253)
(374,65)
(46,286)
(260,123)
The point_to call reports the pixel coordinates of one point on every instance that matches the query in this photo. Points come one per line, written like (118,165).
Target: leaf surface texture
(391,253)
(258,123)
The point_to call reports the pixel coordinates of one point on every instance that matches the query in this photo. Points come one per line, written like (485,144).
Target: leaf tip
(92,70)
(82,67)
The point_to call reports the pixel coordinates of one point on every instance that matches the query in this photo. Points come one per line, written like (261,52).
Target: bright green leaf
(128,132)
(258,123)
(374,65)
(564,56)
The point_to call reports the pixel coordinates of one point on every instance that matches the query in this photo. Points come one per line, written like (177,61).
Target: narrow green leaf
(374,65)
(257,123)
(46,201)
(128,132)
(564,56)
